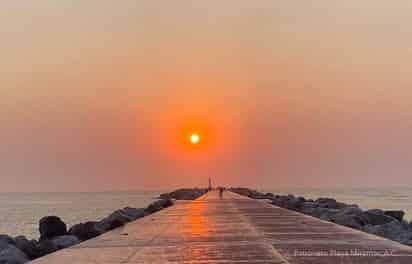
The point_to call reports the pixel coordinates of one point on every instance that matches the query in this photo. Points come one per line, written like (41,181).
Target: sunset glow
(194,138)
(97,95)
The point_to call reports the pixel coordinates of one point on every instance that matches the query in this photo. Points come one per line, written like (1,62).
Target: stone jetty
(237,228)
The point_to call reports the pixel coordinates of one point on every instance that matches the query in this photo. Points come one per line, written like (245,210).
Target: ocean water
(366,198)
(21,212)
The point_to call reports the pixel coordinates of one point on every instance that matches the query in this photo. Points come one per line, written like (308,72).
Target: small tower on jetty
(210,184)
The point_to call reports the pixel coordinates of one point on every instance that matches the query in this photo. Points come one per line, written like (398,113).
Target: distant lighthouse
(210,184)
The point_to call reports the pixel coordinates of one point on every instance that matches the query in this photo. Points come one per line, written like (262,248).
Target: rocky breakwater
(389,224)
(55,235)
(184,194)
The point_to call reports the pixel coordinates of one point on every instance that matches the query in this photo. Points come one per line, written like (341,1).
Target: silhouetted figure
(221,189)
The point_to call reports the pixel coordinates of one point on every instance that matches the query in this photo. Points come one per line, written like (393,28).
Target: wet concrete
(234,229)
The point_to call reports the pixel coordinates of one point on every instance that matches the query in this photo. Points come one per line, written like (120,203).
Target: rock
(12,255)
(45,247)
(184,194)
(113,221)
(65,241)
(85,231)
(289,202)
(328,214)
(325,200)
(307,210)
(352,221)
(301,199)
(405,238)
(121,217)
(134,213)
(29,247)
(258,195)
(158,205)
(34,249)
(398,215)
(349,216)
(5,241)
(330,203)
(312,208)
(317,211)
(376,211)
(376,217)
(351,210)
(309,204)
(393,230)
(51,226)
(269,195)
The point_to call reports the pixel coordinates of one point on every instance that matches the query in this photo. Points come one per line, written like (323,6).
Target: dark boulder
(328,214)
(349,216)
(310,208)
(51,226)
(184,194)
(65,241)
(113,221)
(85,231)
(34,249)
(158,205)
(377,217)
(258,195)
(330,203)
(316,212)
(5,241)
(301,199)
(309,204)
(45,247)
(12,255)
(133,213)
(352,221)
(393,230)
(29,247)
(269,195)
(119,218)
(351,210)
(288,201)
(397,214)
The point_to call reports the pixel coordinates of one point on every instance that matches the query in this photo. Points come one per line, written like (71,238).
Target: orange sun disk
(194,138)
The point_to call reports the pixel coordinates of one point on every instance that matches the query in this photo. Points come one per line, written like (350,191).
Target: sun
(194,138)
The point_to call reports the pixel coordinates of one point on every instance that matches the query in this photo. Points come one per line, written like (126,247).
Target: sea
(21,212)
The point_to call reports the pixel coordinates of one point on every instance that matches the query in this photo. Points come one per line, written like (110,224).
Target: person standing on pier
(221,190)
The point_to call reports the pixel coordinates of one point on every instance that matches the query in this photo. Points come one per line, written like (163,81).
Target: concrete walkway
(234,229)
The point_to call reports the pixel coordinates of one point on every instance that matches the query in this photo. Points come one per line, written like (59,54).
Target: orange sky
(97,95)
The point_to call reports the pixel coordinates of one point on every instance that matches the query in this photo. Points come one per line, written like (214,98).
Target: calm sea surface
(20,212)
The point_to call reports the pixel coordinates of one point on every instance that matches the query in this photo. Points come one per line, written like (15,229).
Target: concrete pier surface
(232,229)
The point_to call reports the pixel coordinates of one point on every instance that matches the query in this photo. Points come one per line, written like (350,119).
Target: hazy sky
(99,94)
